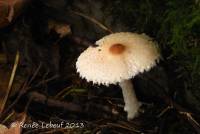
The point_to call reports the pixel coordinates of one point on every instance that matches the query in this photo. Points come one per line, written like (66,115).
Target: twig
(14,70)
(37,97)
(123,127)
(181,110)
(8,117)
(191,120)
(80,40)
(43,82)
(28,88)
(164,111)
(10,81)
(34,74)
(92,20)
(100,97)
(22,91)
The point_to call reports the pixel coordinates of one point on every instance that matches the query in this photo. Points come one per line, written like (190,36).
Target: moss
(182,22)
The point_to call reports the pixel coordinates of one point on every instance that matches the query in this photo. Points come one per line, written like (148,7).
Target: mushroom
(117,58)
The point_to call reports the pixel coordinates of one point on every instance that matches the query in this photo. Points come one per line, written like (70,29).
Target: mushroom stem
(131,102)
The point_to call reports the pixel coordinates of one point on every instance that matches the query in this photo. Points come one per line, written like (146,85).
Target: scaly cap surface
(117,57)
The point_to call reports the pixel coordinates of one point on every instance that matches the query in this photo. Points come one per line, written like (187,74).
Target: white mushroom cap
(117,57)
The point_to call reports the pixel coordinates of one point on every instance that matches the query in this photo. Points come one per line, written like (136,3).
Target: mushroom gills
(132,104)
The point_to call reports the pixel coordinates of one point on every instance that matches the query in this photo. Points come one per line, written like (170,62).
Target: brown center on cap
(117,49)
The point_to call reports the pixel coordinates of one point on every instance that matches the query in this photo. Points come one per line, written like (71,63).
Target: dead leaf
(3,129)
(9,10)
(15,127)
(62,29)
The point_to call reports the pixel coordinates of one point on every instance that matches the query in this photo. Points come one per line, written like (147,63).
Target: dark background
(47,65)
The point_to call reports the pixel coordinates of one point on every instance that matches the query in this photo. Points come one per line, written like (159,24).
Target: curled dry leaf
(9,9)
(15,127)
(62,29)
